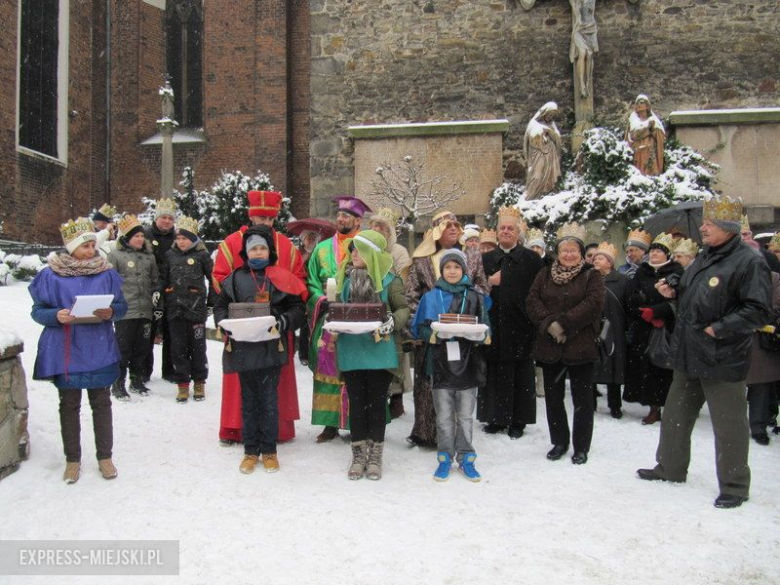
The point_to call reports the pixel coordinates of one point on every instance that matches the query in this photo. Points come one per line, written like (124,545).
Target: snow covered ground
(529,521)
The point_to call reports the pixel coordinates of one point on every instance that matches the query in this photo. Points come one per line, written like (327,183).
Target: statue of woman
(542,144)
(646,136)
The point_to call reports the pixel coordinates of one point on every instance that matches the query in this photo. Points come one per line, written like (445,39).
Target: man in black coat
(722,298)
(509,398)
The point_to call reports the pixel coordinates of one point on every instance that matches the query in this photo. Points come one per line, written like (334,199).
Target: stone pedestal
(14,438)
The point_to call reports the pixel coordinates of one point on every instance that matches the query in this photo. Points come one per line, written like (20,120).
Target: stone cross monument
(166,125)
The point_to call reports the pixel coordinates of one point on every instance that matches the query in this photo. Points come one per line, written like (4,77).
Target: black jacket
(512,331)
(160,242)
(728,288)
(613,370)
(187,294)
(640,293)
(241,287)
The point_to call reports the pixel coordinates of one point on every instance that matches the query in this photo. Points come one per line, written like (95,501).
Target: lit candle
(330,290)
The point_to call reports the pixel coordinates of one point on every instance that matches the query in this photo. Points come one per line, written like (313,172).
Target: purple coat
(91,347)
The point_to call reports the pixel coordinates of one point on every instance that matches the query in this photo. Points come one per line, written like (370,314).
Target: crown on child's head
(126,223)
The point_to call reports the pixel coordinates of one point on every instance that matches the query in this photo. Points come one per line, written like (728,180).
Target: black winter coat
(613,370)
(241,287)
(640,293)
(728,288)
(186,284)
(160,242)
(513,333)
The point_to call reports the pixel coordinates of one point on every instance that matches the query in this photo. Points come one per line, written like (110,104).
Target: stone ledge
(719,117)
(429,129)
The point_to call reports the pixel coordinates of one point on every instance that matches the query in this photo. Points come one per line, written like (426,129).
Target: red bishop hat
(264,203)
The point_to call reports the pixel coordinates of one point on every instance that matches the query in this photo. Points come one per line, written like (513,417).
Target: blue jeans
(260,410)
(454,420)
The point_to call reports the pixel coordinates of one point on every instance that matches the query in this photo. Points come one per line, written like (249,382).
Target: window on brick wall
(184,48)
(39,47)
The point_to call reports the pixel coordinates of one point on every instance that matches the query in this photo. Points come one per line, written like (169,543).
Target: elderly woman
(74,354)
(612,371)
(423,274)
(647,308)
(685,252)
(565,305)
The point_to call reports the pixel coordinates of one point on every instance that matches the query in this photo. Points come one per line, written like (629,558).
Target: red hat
(264,203)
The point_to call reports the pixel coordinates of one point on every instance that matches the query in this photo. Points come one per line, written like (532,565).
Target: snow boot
(107,469)
(467,467)
(442,472)
(184,392)
(359,460)
(270,462)
(72,472)
(248,464)
(137,386)
(374,466)
(199,392)
(118,390)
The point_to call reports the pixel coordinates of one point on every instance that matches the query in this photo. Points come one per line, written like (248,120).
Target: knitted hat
(370,246)
(264,203)
(78,232)
(266,234)
(453,255)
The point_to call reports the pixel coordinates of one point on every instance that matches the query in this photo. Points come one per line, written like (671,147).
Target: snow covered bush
(603,184)
(23,268)
(5,270)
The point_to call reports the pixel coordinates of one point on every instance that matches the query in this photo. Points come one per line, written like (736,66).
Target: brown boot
(107,469)
(359,459)
(199,392)
(328,434)
(184,392)
(653,416)
(72,472)
(248,464)
(396,405)
(374,467)
(270,462)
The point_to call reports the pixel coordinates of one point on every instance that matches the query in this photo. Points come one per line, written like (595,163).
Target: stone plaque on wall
(466,154)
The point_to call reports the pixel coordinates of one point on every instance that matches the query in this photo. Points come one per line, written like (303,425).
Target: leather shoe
(493,429)
(653,416)
(652,475)
(515,431)
(579,458)
(616,413)
(729,501)
(557,452)
(761,438)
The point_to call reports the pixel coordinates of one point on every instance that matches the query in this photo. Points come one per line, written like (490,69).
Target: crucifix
(584,45)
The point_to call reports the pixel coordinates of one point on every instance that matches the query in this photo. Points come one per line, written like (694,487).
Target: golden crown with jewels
(608,250)
(188,224)
(572,230)
(745,223)
(686,246)
(534,234)
(723,209)
(165,207)
(507,212)
(76,232)
(107,210)
(127,223)
(665,240)
(488,237)
(639,236)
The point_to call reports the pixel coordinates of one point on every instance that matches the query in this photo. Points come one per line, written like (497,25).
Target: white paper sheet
(453,351)
(86,305)
(251,328)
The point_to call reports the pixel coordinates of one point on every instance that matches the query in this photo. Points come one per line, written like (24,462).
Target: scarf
(67,265)
(657,266)
(565,274)
(361,287)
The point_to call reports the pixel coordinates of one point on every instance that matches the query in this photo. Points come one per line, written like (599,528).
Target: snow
(8,339)
(725,111)
(529,521)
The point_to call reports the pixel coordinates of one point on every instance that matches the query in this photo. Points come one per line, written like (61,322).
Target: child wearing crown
(74,355)
(134,260)
(186,282)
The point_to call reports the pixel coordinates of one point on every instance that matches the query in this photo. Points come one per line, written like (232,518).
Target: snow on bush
(603,184)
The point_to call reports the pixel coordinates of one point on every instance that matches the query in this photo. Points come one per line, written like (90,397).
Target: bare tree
(401,185)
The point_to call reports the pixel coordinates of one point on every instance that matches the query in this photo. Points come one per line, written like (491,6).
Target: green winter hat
(371,247)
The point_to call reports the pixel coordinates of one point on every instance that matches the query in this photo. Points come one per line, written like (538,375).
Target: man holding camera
(721,299)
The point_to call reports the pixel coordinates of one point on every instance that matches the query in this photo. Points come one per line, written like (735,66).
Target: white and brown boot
(248,464)
(199,391)
(72,472)
(359,459)
(374,467)
(270,462)
(107,469)
(184,392)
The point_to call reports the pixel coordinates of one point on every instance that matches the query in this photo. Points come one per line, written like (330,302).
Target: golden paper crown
(665,240)
(745,223)
(572,230)
(506,212)
(107,210)
(774,242)
(533,235)
(686,246)
(387,215)
(608,250)
(127,223)
(165,207)
(188,224)
(639,236)
(723,209)
(488,237)
(75,233)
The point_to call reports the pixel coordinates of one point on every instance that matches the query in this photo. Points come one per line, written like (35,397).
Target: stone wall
(14,438)
(394,61)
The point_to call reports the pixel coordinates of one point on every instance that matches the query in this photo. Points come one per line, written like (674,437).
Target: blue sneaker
(468,469)
(442,472)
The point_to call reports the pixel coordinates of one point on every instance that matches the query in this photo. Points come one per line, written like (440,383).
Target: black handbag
(605,342)
(658,349)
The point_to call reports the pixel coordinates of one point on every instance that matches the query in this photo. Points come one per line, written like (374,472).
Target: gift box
(357,312)
(248,310)
(458,318)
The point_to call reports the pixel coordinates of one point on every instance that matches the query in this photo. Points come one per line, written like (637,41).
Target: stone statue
(584,43)
(645,135)
(542,144)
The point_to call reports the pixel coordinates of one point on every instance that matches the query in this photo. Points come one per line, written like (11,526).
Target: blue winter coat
(78,356)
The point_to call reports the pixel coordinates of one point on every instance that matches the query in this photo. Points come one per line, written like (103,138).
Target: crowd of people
(671,328)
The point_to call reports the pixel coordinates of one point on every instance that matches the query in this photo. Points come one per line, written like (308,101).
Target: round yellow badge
(130,264)
(155,243)
(714,281)
(191,261)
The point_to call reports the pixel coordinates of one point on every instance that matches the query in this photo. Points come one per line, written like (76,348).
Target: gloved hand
(281,322)
(647,314)
(324,305)
(209,310)
(158,315)
(658,323)
(156,298)
(556,332)
(387,327)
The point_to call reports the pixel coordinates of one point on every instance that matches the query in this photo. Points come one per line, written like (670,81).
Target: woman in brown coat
(565,304)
